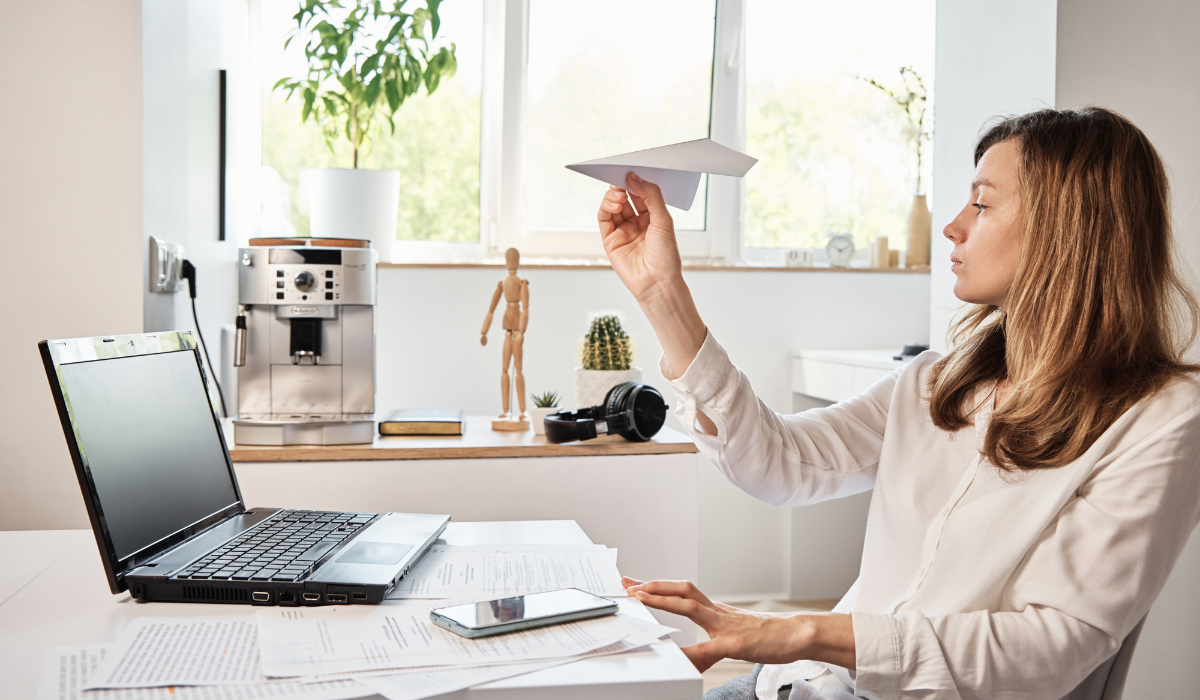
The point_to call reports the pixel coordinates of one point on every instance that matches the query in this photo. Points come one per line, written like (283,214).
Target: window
(545,83)
(834,152)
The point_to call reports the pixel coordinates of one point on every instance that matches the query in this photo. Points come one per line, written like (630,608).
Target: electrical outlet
(166,260)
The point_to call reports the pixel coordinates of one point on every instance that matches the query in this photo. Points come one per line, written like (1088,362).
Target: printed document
(447,571)
(397,635)
(66,670)
(157,651)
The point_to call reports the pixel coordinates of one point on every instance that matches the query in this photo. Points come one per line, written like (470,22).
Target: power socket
(166,260)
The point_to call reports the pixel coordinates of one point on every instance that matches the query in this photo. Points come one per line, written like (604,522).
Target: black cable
(188,273)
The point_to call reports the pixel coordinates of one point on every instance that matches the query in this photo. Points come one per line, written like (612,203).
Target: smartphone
(521,612)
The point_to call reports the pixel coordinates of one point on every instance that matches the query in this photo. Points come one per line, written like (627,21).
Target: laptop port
(260,597)
(287,598)
(335,597)
(312,596)
(359,596)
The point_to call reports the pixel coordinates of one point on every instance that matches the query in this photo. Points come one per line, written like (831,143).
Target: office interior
(108,137)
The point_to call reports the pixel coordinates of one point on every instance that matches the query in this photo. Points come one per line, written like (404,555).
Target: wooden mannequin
(516,318)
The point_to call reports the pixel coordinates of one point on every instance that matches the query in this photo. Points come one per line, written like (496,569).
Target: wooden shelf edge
(363,453)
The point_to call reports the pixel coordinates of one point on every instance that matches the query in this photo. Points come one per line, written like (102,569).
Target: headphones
(633,410)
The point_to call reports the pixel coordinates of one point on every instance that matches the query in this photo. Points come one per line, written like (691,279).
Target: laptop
(164,501)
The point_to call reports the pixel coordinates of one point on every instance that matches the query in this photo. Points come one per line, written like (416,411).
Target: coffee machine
(305,342)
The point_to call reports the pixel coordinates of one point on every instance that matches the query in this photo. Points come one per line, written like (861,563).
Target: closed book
(423,421)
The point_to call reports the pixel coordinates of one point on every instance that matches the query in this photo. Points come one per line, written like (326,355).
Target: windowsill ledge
(690,266)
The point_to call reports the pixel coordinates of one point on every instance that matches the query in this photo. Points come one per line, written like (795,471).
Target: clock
(839,251)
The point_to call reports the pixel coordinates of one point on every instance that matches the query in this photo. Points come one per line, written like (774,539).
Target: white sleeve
(1086,582)
(790,460)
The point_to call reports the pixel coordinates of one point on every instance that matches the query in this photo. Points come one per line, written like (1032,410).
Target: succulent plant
(546,400)
(607,345)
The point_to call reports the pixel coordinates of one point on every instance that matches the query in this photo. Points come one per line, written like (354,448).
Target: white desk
(64,599)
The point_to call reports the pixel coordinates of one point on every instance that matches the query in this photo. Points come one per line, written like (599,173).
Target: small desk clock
(839,251)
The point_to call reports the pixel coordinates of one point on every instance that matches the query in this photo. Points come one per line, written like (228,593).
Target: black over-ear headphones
(633,410)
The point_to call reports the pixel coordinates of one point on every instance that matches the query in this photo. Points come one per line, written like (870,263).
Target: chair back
(1107,682)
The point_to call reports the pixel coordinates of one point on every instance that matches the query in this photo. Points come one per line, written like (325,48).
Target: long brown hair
(1097,317)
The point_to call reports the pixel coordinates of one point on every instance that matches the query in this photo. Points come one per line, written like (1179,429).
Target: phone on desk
(522,612)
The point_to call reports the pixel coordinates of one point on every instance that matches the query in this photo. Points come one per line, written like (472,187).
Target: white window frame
(502,145)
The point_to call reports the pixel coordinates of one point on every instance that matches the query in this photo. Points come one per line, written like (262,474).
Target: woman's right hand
(640,244)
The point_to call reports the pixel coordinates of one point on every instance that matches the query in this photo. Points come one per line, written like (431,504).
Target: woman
(1031,489)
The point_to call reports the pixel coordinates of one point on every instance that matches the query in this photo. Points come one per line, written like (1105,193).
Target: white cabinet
(836,375)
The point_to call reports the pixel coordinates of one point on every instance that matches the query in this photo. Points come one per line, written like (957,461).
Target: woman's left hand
(768,638)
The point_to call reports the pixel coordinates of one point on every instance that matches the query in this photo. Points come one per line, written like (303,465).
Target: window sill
(586,264)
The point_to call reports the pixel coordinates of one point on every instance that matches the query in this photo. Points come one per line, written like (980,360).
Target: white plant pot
(353,204)
(537,416)
(591,385)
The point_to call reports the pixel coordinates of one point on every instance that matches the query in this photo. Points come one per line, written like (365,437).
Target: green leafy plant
(607,345)
(546,400)
(911,99)
(363,62)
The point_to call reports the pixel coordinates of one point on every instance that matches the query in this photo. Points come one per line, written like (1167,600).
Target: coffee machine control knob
(306,281)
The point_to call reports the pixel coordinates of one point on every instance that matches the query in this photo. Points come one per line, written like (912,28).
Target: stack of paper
(343,652)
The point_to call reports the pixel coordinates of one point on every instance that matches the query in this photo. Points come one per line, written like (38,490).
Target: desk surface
(58,596)
(478,440)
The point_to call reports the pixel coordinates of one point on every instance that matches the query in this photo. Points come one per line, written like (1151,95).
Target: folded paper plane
(676,169)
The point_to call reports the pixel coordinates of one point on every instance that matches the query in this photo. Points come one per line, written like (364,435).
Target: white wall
(182,53)
(1143,60)
(992,59)
(429,355)
(70,225)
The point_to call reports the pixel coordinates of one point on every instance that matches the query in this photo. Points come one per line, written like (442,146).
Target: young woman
(1031,489)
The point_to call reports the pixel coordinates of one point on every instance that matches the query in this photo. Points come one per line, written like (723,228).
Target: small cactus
(607,345)
(546,400)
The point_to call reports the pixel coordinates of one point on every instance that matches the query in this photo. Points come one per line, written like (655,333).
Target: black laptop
(163,498)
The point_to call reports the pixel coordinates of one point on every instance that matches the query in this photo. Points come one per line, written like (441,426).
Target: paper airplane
(676,169)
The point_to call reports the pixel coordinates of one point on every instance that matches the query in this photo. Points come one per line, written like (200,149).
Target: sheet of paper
(66,670)
(499,572)
(397,635)
(676,169)
(641,634)
(158,651)
(424,684)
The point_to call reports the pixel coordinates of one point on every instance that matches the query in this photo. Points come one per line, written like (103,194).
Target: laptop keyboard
(284,548)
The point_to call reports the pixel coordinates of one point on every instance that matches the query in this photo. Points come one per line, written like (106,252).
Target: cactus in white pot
(607,360)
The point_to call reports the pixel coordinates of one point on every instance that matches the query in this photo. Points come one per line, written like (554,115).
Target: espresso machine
(305,342)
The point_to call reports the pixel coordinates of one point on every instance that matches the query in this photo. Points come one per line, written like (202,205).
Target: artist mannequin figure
(516,318)
(1031,489)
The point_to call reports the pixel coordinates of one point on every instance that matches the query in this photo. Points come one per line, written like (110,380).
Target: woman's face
(987,232)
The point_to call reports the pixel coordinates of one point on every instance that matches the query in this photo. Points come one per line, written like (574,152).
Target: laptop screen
(147,432)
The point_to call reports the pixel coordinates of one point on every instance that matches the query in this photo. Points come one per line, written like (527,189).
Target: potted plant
(543,405)
(912,101)
(364,60)
(607,360)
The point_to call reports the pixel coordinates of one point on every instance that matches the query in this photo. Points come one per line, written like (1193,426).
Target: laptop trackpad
(387,553)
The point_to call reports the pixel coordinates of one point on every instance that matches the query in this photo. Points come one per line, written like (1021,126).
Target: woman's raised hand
(640,244)
(768,638)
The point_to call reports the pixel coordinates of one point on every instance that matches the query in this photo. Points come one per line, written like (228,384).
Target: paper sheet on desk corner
(676,169)
(399,635)
(66,670)
(451,572)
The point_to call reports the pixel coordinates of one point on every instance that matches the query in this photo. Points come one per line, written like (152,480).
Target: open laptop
(164,501)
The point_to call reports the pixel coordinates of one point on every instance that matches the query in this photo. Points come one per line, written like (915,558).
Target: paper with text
(399,634)
(500,572)
(155,651)
(66,670)
(641,635)
(676,169)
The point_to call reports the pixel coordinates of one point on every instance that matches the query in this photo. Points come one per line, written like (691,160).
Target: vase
(919,224)
(537,416)
(353,204)
(591,385)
